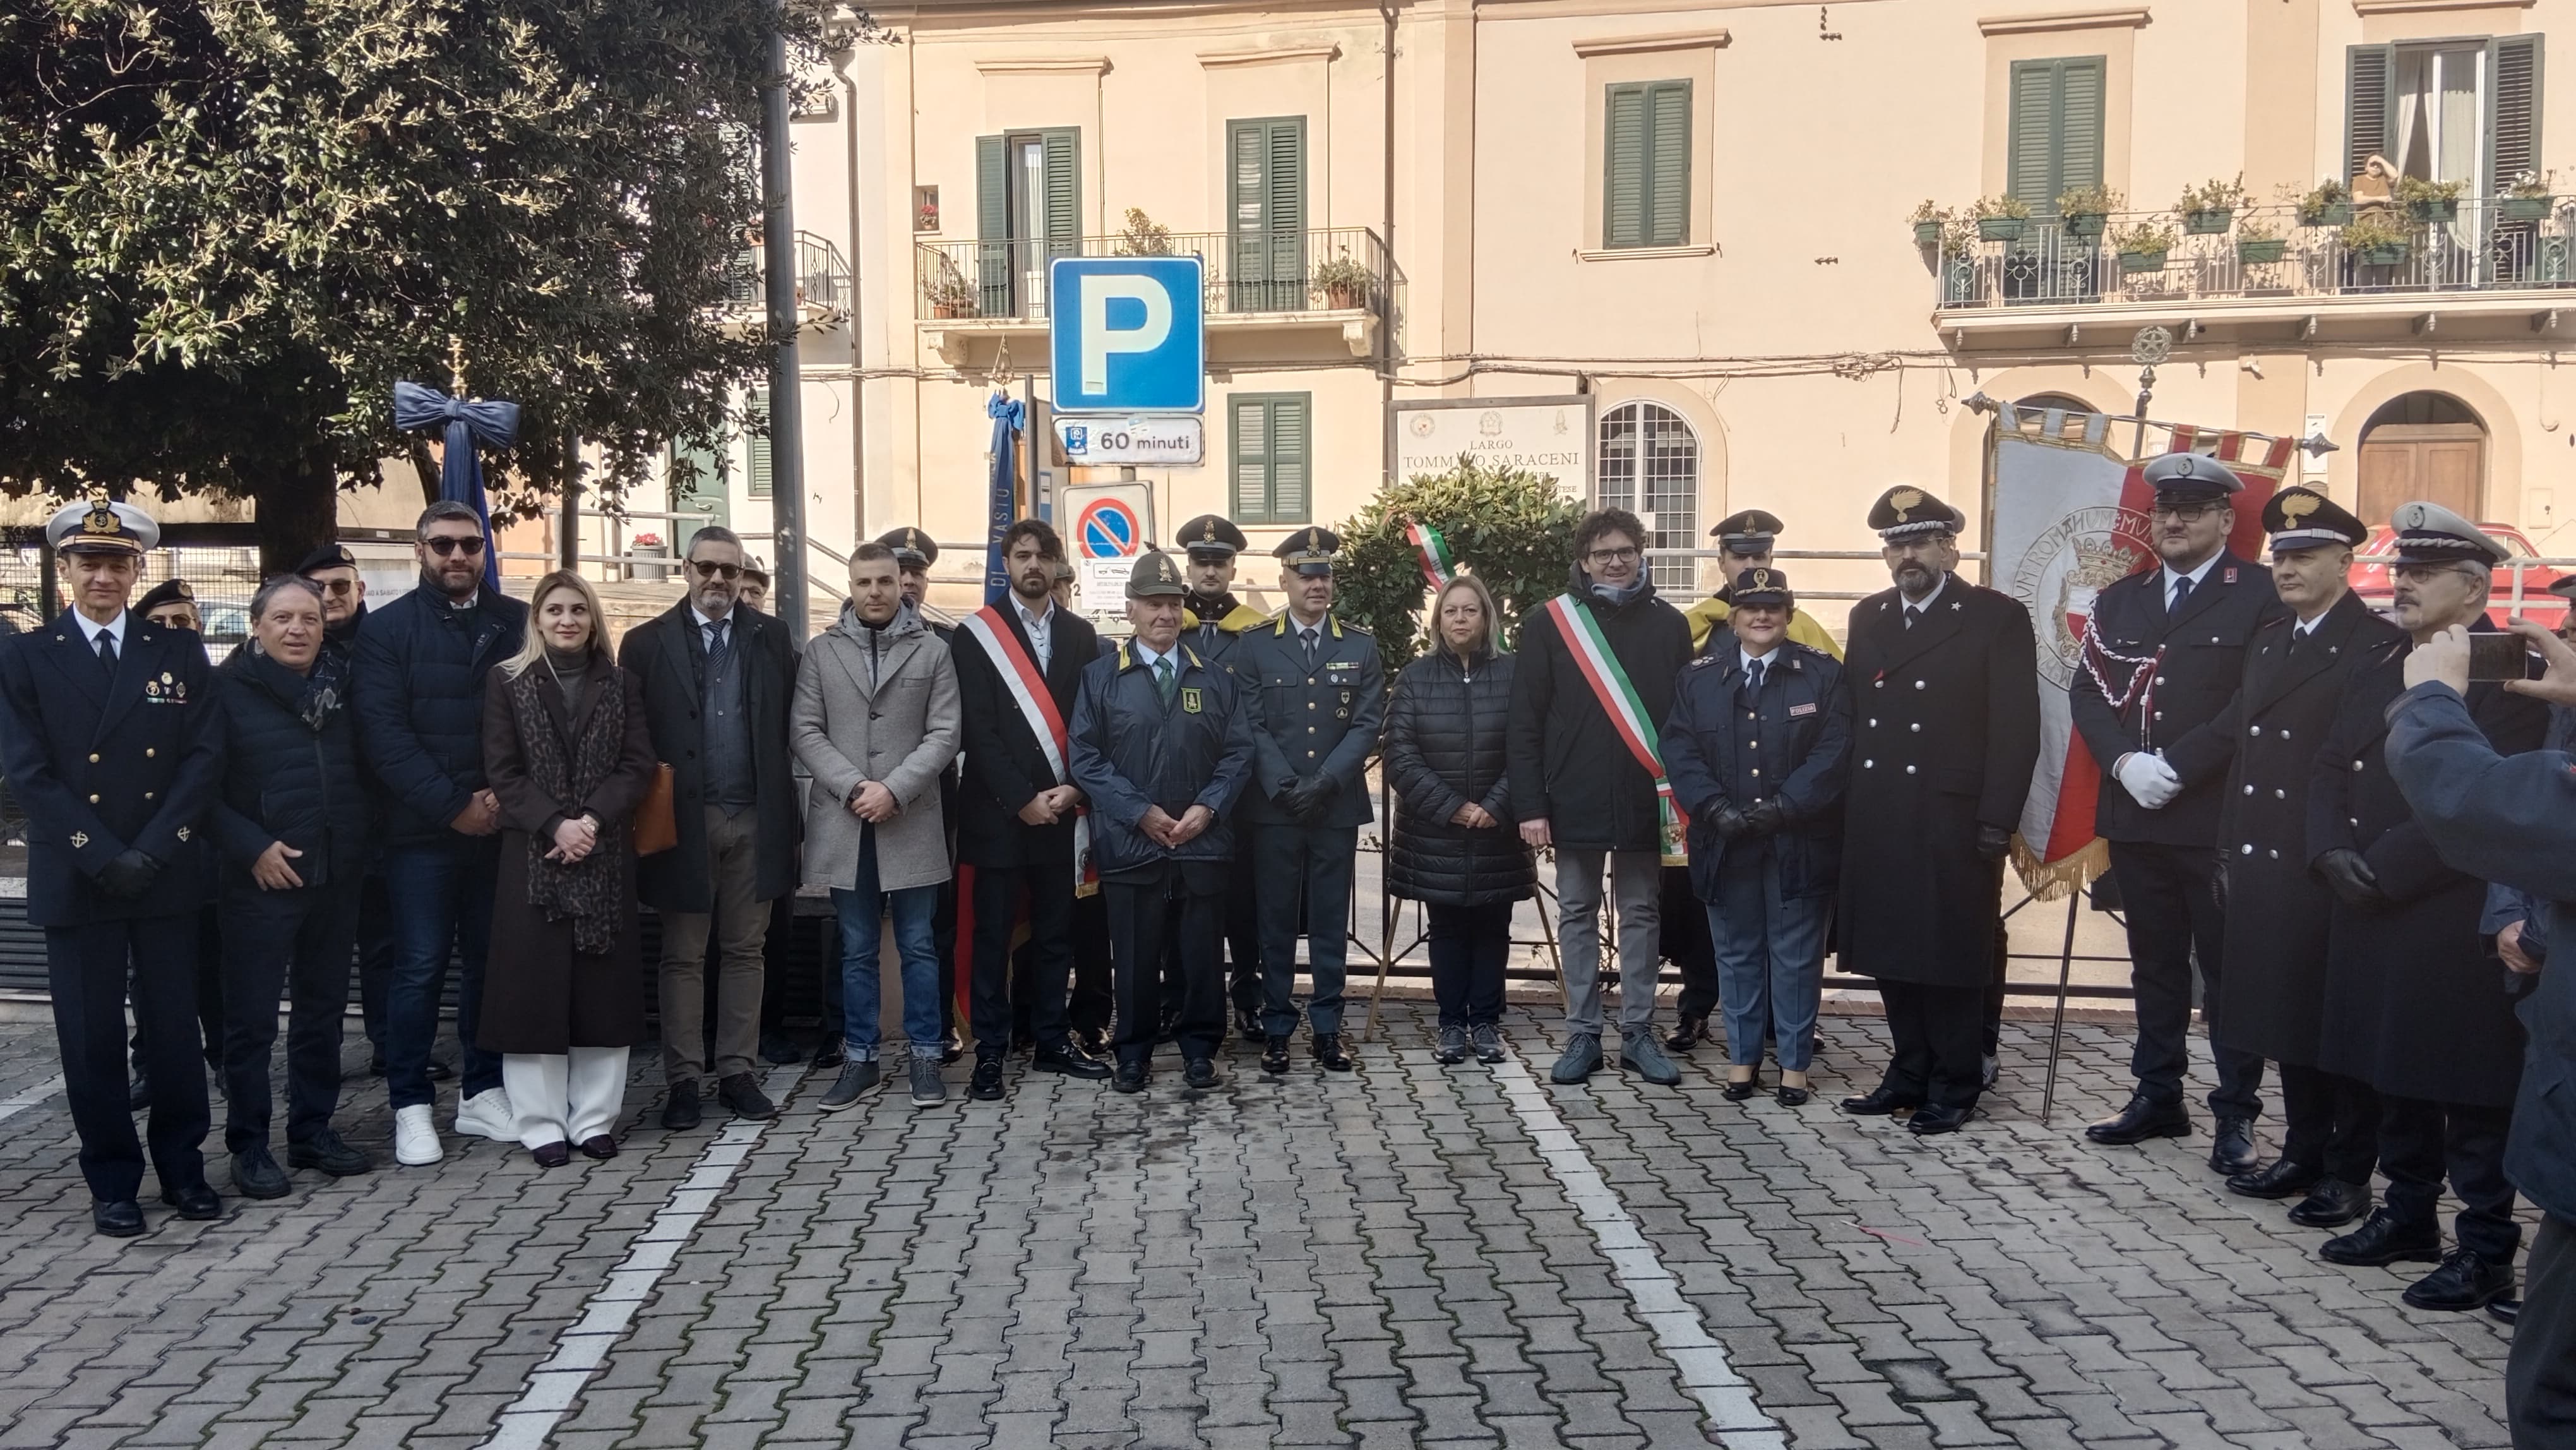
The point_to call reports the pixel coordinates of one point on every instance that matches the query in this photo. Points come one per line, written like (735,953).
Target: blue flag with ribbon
(1009,415)
(466,425)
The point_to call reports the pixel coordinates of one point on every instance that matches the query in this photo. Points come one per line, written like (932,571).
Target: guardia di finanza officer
(1215,626)
(1321,695)
(2172,642)
(113,742)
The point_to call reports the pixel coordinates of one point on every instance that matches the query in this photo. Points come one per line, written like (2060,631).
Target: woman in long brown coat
(567,751)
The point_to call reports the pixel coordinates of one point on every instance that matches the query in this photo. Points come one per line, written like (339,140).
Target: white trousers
(565,1099)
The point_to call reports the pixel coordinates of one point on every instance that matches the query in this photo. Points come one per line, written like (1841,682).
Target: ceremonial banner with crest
(2070,518)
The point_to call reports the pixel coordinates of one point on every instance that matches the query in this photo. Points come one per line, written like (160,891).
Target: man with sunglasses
(717,678)
(419,669)
(2162,661)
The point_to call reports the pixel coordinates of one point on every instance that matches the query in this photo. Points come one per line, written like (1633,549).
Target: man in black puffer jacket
(291,826)
(1578,782)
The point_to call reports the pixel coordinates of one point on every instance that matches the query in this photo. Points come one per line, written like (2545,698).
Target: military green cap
(1155,577)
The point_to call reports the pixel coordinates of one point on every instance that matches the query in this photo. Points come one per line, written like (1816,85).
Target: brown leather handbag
(657,828)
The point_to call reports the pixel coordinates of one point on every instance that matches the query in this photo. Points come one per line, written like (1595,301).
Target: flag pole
(2057,1027)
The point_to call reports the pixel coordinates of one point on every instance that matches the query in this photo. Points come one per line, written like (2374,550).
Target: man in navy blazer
(112,740)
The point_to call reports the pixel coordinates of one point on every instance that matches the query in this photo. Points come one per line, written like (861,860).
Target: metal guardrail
(1328,269)
(2473,243)
(823,277)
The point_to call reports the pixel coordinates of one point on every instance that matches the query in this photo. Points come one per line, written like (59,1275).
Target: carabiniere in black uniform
(114,750)
(2173,640)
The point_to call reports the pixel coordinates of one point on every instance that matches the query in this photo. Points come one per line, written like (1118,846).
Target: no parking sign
(1110,524)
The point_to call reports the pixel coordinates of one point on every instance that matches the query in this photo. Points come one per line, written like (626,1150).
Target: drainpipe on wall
(1386,216)
(858,253)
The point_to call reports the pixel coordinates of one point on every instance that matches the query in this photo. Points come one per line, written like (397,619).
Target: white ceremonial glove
(2150,781)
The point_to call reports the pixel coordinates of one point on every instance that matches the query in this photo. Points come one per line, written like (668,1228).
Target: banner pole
(2057,1028)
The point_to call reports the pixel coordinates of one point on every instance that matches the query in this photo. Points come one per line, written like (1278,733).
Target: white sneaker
(416,1137)
(488,1114)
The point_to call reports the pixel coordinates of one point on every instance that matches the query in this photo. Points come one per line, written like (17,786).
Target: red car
(2370,577)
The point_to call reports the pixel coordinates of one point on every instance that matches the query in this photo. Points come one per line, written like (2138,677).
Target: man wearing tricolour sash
(1595,682)
(1022,824)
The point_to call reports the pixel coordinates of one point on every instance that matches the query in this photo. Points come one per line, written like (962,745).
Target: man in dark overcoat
(2414,1006)
(2172,642)
(112,741)
(717,678)
(2272,999)
(1945,714)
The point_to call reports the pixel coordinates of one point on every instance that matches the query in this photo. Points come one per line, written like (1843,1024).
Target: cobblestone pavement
(1409,1255)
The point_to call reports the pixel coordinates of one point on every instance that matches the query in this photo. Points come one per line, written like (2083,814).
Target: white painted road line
(12,1106)
(1723,1395)
(583,1348)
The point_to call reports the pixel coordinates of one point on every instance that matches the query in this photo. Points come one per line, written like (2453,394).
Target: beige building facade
(1696,219)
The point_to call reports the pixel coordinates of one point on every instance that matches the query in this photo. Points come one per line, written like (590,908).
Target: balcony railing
(1331,269)
(822,280)
(2478,244)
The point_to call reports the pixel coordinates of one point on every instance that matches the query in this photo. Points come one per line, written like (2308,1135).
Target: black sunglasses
(710,569)
(444,545)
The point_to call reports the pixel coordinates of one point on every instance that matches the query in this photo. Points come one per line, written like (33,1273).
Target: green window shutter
(756,444)
(1266,213)
(2513,109)
(1623,168)
(1062,149)
(1290,452)
(2369,121)
(1668,175)
(992,227)
(2054,134)
(1272,456)
(2080,88)
(1247,420)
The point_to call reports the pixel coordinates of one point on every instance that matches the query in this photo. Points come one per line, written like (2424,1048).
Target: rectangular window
(1645,177)
(1271,454)
(756,444)
(1028,210)
(2452,110)
(1265,163)
(2056,129)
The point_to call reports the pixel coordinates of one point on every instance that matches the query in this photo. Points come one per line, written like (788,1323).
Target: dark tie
(107,651)
(719,646)
(2181,592)
(1164,680)
(1310,651)
(1753,677)
(1913,612)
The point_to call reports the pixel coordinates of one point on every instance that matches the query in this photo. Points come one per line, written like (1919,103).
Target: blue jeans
(1770,957)
(860,908)
(441,895)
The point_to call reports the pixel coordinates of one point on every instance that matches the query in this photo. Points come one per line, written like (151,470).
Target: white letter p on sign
(1099,340)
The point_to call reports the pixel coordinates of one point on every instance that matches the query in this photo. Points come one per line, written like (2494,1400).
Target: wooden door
(2443,463)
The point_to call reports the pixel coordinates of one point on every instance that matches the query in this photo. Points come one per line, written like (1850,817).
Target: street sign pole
(778,265)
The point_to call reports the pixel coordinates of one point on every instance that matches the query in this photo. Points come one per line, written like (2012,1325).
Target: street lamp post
(778,266)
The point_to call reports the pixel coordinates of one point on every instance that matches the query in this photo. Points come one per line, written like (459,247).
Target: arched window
(1650,466)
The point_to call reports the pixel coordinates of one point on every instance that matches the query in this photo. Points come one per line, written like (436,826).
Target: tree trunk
(298,515)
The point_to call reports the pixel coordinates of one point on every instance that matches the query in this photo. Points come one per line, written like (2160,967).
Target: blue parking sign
(1125,334)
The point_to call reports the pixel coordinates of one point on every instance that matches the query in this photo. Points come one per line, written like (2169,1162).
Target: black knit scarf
(591,890)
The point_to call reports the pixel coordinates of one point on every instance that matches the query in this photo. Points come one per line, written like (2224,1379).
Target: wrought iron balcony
(822,284)
(1329,270)
(2475,245)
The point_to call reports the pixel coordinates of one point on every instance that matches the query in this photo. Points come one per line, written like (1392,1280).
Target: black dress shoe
(1878,1102)
(831,1057)
(1690,1032)
(2464,1282)
(1328,1051)
(741,1093)
(440,1071)
(2383,1239)
(2231,1147)
(1199,1072)
(1070,1060)
(117,1218)
(1791,1097)
(138,1093)
(256,1175)
(1094,1042)
(986,1085)
(1737,1091)
(327,1152)
(1274,1056)
(2331,1203)
(2279,1178)
(1934,1119)
(599,1147)
(194,1201)
(776,1048)
(2505,1310)
(1131,1077)
(2141,1120)
(1247,1022)
(551,1155)
(681,1110)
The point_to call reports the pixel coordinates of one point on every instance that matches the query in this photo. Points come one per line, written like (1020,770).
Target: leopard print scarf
(589,891)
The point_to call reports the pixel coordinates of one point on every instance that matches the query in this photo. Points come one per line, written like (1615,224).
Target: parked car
(2370,577)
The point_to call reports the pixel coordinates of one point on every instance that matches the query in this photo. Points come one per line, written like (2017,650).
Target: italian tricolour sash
(1027,685)
(1431,551)
(1618,700)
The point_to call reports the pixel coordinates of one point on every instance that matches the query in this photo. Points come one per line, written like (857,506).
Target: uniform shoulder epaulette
(1350,628)
(1703,661)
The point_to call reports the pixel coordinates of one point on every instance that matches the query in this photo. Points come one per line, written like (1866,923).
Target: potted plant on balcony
(1958,260)
(2328,205)
(2001,218)
(2430,201)
(2210,208)
(2258,242)
(2526,198)
(1144,237)
(1343,280)
(1926,221)
(2142,248)
(2085,210)
(949,295)
(2377,241)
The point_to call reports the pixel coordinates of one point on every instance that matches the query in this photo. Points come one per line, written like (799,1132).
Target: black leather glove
(1308,799)
(1993,842)
(1729,823)
(1765,818)
(2350,878)
(129,875)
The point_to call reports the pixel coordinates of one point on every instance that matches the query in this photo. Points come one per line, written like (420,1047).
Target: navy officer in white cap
(112,741)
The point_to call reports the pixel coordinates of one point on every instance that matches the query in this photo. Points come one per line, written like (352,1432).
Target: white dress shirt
(91,629)
(1041,631)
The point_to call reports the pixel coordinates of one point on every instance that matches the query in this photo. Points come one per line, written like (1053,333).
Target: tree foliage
(1511,528)
(227,226)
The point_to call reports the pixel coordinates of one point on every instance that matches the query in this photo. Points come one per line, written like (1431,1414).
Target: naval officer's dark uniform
(115,757)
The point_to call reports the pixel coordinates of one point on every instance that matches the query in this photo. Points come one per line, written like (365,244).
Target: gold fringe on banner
(2052,880)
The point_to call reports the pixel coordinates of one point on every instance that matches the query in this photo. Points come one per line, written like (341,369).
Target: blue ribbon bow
(1002,499)
(465,424)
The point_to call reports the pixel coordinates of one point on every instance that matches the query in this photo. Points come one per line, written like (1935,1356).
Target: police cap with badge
(2428,533)
(1762,588)
(1906,512)
(329,556)
(1155,577)
(2302,518)
(913,549)
(1210,536)
(1749,532)
(2184,477)
(1309,551)
(102,527)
